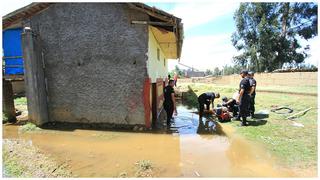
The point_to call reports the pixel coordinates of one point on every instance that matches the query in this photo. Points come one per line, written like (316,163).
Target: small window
(164,62)
(158,54)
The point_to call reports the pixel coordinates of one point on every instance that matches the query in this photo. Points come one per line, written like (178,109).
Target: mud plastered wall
(95,62)
(265,79)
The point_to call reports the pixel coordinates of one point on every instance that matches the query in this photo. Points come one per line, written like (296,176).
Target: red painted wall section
(146,102)
(160,96)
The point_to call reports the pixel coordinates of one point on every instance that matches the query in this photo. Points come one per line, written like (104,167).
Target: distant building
(191,73)
(94,62)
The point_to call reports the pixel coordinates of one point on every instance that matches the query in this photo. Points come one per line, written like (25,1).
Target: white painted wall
(156,68)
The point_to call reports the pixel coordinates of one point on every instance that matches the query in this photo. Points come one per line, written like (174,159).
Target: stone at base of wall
(93,126)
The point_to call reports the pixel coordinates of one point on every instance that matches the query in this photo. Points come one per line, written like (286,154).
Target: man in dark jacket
(244,97)
(169,103)
(206,99)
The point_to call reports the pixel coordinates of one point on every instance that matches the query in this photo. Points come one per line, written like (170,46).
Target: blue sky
(222,24)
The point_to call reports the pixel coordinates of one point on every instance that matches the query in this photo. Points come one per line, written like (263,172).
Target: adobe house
(96,63)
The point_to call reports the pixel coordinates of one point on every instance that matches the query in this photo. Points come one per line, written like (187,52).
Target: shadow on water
(66,126)
(209,127)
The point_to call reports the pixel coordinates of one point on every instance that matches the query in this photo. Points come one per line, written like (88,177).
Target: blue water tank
(12,51)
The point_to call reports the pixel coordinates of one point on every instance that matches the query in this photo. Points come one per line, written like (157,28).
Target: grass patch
(190,98)
(289,89)
(20,101)
(29,127)
(144,168)
(4,118)
(294,146)
(11,166)
(22,159)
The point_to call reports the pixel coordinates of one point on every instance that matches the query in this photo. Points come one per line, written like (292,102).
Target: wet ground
(193,148)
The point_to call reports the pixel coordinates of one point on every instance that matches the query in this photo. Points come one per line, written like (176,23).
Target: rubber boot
(244,121)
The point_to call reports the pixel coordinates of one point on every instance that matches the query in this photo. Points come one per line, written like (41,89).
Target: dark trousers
(203,102)
(252,102)
(244,107)
(169,111)
(234,109)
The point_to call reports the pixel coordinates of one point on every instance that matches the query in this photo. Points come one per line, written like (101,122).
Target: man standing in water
(169,101)
(244,97)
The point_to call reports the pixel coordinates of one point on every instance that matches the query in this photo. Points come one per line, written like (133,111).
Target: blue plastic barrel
(12,51)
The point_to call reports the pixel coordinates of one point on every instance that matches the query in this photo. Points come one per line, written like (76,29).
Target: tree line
(267,34)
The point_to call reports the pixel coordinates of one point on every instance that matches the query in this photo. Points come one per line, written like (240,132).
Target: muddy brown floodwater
(193,149)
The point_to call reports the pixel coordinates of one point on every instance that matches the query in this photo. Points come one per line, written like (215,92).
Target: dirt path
(193,150)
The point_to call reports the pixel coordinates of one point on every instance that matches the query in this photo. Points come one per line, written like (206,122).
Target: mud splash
(196,148)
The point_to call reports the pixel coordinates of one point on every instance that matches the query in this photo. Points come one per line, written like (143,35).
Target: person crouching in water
(169,103)
(206,99)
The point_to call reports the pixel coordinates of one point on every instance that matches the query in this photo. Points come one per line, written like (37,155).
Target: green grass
(29,127)
(294,146)
(4,118)
(144,168)
(20,101)
(298,89)
(22,159)
(289,89)
(11,166)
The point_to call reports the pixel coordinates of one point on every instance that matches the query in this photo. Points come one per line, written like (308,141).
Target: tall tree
(267,33)
(216,71)
(208,72)
(178,71)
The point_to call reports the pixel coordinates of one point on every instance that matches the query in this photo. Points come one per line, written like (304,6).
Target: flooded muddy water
(195,148)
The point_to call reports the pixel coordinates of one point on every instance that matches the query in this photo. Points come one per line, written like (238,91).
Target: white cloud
(198,13)
(314,52)
(209,51)
(206,52)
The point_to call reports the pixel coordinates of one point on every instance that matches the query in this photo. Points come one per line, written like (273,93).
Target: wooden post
(7,101)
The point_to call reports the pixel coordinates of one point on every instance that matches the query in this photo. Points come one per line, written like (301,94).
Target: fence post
(7,101)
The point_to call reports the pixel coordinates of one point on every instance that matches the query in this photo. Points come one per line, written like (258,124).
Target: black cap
(250,72)
(224,98)
(245,72)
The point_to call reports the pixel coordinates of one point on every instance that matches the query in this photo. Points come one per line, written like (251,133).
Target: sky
(208,26)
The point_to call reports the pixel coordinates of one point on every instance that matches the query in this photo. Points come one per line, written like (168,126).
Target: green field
(289,89)
(294,146)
